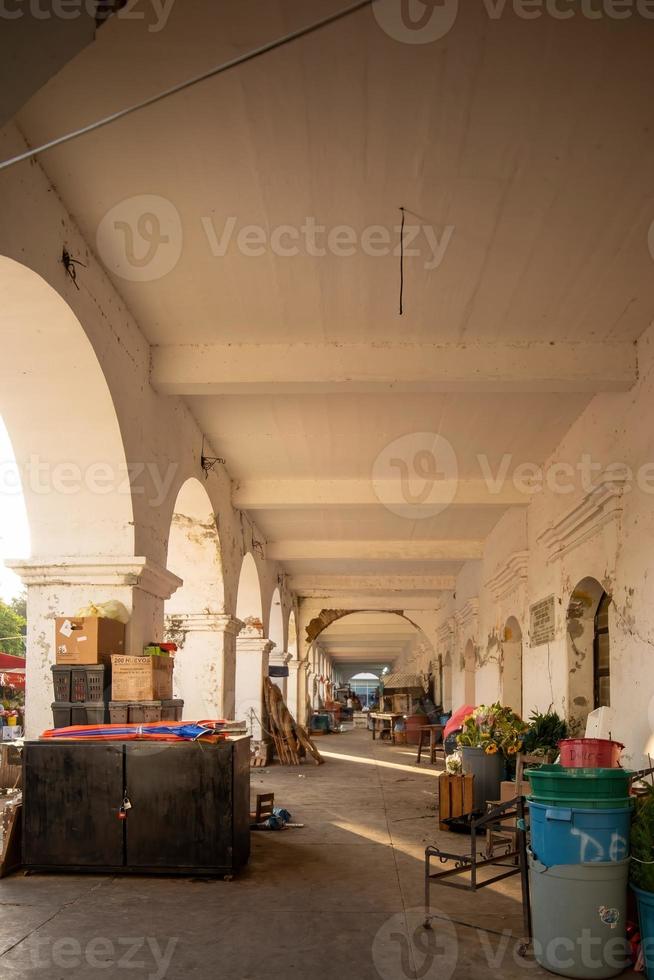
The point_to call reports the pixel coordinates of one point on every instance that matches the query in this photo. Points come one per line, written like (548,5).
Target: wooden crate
(11,767)
(10,836)
(454,796)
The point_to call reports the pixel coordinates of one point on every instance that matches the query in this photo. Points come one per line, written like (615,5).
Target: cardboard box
(141,678)
(88,640)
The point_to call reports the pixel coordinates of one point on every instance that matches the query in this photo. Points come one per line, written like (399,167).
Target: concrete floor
(339,898)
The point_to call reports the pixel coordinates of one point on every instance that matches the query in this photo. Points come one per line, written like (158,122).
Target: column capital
(203,622)
(279,658)
(99,570)
(298,664)
(251,642)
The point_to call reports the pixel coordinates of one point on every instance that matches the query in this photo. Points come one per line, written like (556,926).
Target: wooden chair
(429,736)
(264,807)
(524,760)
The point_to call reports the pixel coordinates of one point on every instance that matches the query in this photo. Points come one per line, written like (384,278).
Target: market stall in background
(12,695)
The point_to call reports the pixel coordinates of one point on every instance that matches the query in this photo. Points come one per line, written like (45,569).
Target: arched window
(601,655)
(588,651)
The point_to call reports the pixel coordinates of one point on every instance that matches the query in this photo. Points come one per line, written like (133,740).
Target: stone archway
(62,423)
(278,657)
(70,455)
(412,651)
(195,619)
(249,604)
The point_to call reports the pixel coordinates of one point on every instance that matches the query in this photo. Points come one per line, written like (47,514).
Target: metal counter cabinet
(189,811)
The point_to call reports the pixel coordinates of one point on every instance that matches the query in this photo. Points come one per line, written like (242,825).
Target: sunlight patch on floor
(412,849)
(381,763)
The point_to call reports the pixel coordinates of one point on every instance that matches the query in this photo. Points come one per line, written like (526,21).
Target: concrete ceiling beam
(391,551)
(381,603)
(252,495)
(388,584)
(215,369)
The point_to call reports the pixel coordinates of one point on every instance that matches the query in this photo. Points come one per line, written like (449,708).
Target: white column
(252,652)
(297,689)
(303,690)
(205,665)
(61,587)
(280,659)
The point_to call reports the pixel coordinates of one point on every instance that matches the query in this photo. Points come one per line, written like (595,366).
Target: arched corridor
(327,357)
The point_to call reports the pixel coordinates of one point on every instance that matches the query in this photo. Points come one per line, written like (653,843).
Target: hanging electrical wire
(402,263)
(189,83)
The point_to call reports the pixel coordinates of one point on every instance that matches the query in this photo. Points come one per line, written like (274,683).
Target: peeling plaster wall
(617,551)
(499,603)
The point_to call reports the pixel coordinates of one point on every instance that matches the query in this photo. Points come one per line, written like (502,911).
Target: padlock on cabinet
(124,807)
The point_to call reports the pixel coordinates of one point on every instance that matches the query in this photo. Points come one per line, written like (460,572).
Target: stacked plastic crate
(82,672)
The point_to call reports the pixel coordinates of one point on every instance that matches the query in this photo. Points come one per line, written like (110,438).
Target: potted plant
(641,873)
(545,731)
(491,735)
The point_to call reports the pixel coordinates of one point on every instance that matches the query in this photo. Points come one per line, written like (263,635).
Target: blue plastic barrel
(645,902)
(562,835)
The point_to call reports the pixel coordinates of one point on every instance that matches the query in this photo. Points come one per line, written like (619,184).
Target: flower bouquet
(490,737)
(494,729)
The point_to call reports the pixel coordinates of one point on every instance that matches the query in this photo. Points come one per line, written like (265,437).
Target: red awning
(8,662)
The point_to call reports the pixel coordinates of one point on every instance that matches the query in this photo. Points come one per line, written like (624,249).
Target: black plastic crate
(172,709)
(118,712)
(61,679)
(89,713)
(89,683)
(144,712)
(61,714)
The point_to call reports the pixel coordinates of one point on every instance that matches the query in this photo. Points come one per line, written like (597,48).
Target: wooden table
(432,734)
(383,716)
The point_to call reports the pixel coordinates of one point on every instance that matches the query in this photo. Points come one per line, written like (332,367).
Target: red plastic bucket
(590,753)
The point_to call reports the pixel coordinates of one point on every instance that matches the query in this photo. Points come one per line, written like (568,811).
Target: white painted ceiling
(532,138)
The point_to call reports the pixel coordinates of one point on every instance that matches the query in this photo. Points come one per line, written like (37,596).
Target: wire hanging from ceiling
(189,83)
(402,263)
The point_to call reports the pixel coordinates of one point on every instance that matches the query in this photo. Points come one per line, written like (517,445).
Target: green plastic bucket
(569,803)
(580,788)
(579,915)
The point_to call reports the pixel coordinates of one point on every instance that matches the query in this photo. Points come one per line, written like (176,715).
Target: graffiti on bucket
(592,849)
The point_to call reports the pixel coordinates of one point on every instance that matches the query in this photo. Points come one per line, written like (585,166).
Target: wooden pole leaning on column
(288,736)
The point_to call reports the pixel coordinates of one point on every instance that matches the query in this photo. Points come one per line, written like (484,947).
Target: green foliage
(493,728)
(13,626)
(19,605)
(642,843)
(544,733)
